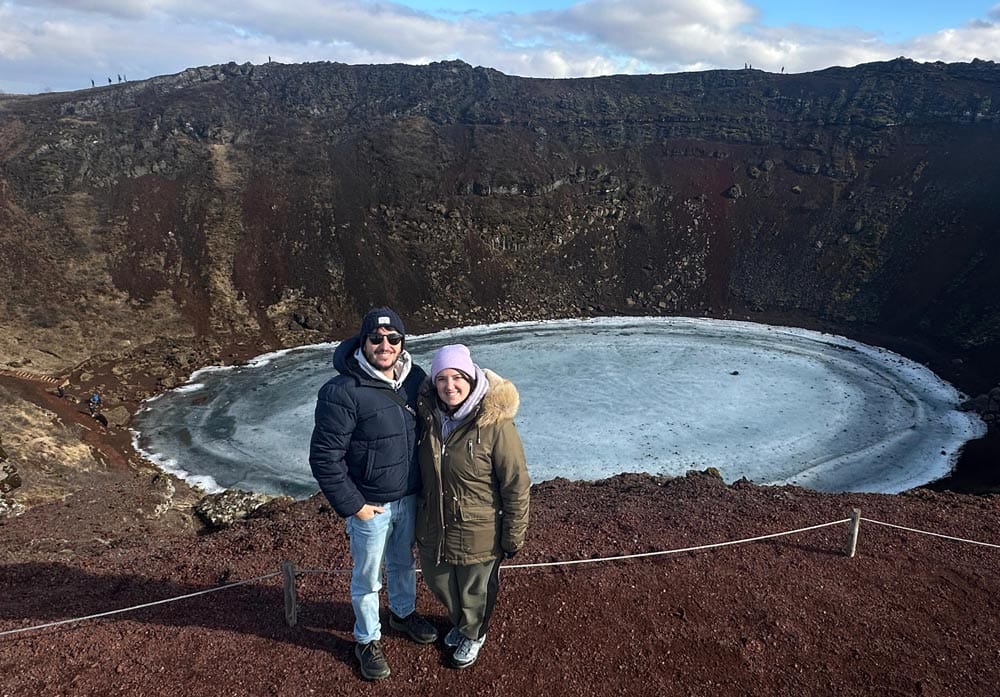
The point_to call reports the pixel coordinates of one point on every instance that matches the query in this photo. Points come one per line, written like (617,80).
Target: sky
(60,45)
(776,405)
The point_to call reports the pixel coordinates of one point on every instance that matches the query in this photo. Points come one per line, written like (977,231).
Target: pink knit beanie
(454,356)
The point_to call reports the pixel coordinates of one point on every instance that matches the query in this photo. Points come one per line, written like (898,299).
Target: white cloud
(976,40)
(623,19)
(799,49)
(375,28)
(65,43)
(123,9)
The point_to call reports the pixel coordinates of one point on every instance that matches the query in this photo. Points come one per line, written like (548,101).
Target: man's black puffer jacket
(363,446)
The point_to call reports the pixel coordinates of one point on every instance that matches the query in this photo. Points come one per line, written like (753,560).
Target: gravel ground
(911,614)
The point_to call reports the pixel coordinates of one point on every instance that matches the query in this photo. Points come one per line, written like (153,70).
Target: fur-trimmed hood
(501,401)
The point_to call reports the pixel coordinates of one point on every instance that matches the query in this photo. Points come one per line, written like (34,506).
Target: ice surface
(661,395)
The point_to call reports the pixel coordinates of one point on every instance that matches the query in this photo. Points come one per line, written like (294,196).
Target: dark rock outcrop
(987,405)
(10,480)
(223,509)
(9,477)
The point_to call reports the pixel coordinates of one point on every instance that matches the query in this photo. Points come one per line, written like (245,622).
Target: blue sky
(56,45)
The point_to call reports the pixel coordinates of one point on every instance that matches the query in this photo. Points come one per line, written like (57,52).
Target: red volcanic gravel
(911,614)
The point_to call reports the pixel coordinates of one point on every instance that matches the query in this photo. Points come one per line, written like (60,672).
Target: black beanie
(381,317)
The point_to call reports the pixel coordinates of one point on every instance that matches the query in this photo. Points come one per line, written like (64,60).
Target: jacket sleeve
(336,417)
(511,470)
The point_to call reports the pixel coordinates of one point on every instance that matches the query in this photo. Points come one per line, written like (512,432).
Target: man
(363,454)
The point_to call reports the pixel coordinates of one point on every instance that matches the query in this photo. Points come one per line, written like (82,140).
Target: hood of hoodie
(343,356)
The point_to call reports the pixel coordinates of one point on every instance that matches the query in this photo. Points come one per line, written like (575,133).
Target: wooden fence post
(852,536)
(291,602)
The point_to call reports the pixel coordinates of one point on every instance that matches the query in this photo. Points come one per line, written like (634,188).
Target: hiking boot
(415,627)
(453,638)
(467,652)
(372,660)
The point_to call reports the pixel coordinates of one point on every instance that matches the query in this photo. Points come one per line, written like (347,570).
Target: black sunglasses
(375,338)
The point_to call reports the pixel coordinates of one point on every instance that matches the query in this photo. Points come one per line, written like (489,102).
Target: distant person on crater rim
(363,455)
(473,512)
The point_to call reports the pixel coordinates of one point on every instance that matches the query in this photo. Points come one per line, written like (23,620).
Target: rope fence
(289,573)
(144,605)
(672,551)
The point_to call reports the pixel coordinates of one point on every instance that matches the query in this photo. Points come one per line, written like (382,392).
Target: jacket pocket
(480,458)
(476,514)
(479,526)
(369,464)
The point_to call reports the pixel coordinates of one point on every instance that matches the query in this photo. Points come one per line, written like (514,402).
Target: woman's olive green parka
(474,503)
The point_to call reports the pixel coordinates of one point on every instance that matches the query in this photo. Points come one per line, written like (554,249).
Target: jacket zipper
(444,520)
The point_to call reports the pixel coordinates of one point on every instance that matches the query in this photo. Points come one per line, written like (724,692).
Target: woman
(473,511)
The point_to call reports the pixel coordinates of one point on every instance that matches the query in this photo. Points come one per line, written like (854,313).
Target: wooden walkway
(34,377)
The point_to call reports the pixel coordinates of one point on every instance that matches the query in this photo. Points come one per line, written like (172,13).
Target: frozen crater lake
(776,405)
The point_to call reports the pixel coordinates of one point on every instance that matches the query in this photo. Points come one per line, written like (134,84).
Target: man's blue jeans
(388,536)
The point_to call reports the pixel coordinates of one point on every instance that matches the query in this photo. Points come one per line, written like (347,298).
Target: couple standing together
(405,457)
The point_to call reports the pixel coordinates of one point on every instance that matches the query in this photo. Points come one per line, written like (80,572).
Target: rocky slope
(273,202)
(151,228)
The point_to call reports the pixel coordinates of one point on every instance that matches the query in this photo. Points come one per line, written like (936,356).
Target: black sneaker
(414,626)
(372,661)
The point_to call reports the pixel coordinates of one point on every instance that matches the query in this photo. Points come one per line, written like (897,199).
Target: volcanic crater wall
(273,203)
